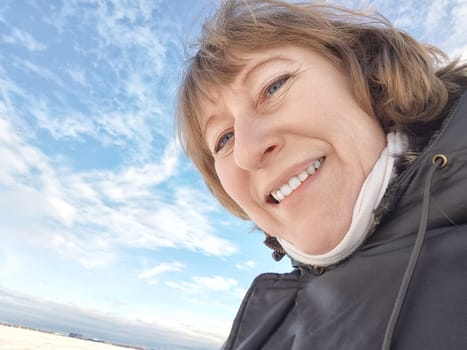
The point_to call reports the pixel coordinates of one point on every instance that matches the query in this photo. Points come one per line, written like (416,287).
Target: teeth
(278,195)
(295,181)
(303,176)
(311,169)
(286,189)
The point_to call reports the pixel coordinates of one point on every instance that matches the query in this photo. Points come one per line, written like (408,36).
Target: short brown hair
(394,78)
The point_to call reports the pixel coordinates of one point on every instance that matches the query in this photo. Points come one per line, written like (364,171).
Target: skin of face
(288,107)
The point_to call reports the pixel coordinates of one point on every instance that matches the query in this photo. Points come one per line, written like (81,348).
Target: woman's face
(291,145)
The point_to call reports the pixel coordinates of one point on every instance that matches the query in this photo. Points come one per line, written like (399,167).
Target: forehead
(254,68)
(259,61)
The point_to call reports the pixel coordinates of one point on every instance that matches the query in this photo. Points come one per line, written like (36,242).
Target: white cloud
(45,73)
(90,252)
(22,38)
(129,183)
(128,206)
(247,265)
(111,29)
(457,40)
(29,181)
(77,212)
(149,274)
(437,12)
(215,283)
(64,211)
(204,284)
(121,101)
(10,264)
(78,75)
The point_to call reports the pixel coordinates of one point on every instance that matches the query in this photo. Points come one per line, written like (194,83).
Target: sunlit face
(291,145)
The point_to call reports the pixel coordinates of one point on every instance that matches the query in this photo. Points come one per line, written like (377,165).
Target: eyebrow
(261,64)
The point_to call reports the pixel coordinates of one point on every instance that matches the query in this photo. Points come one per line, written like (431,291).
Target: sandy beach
(13,338)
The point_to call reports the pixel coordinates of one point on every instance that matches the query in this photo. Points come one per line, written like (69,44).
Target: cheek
(231,180)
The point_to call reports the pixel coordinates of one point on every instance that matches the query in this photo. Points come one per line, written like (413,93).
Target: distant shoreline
(70,335)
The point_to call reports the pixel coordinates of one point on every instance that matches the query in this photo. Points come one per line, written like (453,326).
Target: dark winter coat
(349,306)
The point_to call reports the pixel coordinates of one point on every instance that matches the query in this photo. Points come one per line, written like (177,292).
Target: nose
(256,143)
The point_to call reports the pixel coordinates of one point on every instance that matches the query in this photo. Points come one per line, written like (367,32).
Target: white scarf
(370,196)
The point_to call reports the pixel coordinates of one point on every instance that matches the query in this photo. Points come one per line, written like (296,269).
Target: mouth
(285,190)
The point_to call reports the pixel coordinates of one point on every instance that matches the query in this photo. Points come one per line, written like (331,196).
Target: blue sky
(105,227)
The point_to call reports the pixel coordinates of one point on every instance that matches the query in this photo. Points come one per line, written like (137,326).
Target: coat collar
(400,209)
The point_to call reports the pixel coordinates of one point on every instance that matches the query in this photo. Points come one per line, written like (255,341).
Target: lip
(285,177)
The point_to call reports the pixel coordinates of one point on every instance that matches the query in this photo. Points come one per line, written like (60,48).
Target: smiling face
(291,146)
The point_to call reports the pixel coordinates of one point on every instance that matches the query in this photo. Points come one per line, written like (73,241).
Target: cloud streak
(21,38)
(206,286)
(247,265)
(149,274)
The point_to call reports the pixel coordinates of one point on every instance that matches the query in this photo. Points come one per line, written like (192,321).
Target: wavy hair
(395,78)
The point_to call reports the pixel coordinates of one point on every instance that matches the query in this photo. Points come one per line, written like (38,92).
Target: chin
(318,245)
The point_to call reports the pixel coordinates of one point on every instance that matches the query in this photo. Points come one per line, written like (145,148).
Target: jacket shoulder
(270,297)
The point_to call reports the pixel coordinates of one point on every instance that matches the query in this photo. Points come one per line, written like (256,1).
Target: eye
(272,88)
(223,140)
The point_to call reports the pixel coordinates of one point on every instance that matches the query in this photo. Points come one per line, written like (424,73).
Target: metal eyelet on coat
(442,157)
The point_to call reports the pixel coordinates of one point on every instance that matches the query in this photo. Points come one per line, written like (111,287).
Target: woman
(343,139)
